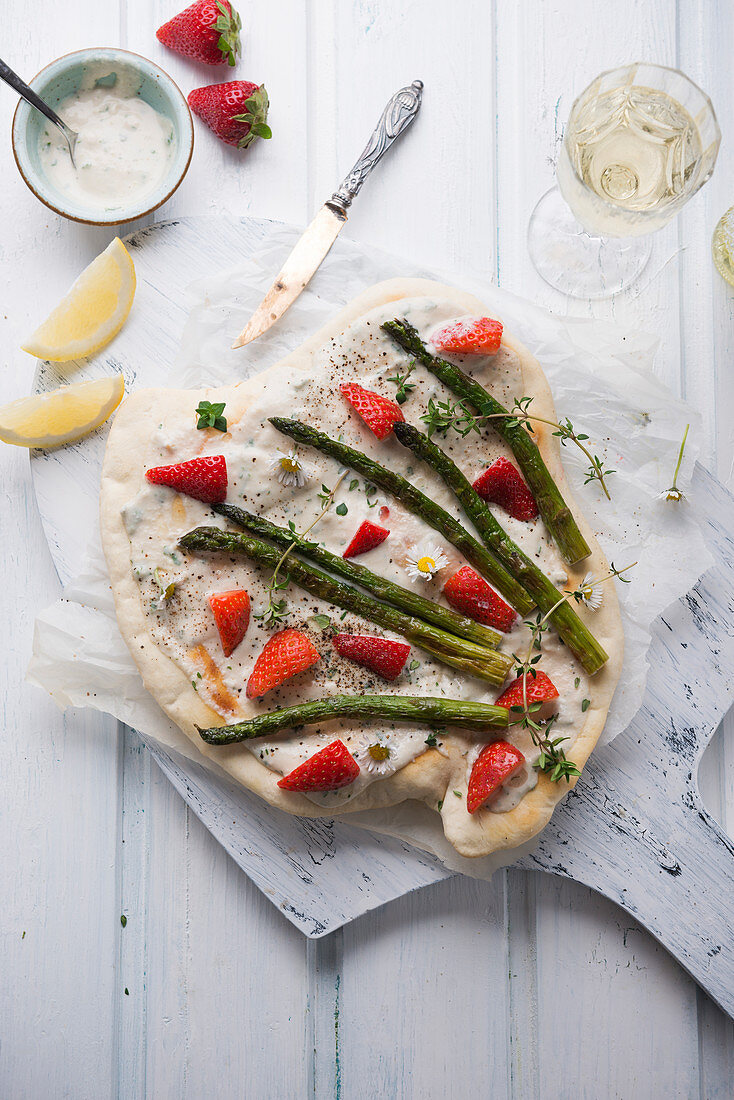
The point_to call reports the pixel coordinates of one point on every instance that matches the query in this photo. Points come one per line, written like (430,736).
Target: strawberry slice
(201,478)
(470,594)
(382,656)
(494,765)
(470,336)
(366,537)
(232,616)
(328,770)
(502,484)
(208,31)
(539,688)
(285,654)
(379,413)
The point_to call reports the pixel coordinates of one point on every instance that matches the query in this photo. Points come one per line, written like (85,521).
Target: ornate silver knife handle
(397,116)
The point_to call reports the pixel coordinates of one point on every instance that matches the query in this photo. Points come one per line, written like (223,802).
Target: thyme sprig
(405,388)
(552,760)
(674,493)
(444,415)
(277,609)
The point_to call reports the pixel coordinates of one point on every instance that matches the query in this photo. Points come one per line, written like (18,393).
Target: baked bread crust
(430,775)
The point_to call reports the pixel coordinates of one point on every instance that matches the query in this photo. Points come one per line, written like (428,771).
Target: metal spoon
(11,78)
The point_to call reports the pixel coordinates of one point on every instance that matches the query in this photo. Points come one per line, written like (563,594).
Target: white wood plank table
(530,986)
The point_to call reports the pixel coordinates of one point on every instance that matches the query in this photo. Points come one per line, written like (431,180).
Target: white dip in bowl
(135,137)
(125,147)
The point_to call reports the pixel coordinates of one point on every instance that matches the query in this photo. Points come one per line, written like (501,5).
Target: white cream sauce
(184,627)
(124,149)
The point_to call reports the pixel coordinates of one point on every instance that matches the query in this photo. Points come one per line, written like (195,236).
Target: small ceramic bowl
(62,78)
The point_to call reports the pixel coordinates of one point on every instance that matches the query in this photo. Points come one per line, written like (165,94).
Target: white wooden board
(617,832)
(533,986)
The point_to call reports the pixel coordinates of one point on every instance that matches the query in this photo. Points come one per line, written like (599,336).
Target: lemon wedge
(62,415)
(93,311)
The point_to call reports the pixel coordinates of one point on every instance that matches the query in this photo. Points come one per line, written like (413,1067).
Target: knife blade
(315,243)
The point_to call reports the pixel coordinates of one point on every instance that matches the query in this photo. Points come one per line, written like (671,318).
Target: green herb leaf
(443,415)
(431,741)
(405,388)
(210,415)
(123,920)
(276,610)
(341,509)
(321,622)
(585,705)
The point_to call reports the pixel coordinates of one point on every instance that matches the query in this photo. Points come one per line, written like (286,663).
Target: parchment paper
(601,377)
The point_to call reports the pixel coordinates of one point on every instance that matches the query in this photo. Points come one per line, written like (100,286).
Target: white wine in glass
(639,142)
(722,245)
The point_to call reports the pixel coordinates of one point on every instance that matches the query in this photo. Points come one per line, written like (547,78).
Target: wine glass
(639,142)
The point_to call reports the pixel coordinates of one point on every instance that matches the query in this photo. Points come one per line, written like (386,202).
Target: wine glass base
(576,262)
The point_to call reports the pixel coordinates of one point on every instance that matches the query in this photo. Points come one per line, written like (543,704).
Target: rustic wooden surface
(530,986)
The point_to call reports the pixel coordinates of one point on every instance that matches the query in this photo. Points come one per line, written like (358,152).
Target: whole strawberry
(208,31)
(237,111)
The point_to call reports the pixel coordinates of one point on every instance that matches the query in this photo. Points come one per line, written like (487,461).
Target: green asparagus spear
(415,501)
(477,717)
(577,637)
(395,594)
(554,510)
(487,664)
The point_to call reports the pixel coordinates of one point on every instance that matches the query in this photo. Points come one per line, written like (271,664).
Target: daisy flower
(289,469)
(422,565)
(590,592)
(377,753)
(674,493)
(166,591)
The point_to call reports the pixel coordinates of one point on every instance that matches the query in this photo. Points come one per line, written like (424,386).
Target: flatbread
(433,775)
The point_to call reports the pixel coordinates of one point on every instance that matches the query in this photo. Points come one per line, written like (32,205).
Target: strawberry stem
(229,25)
